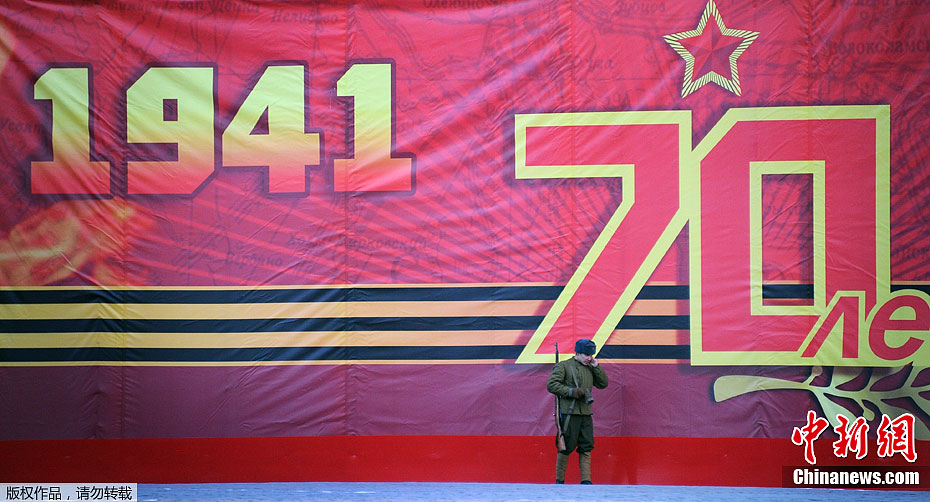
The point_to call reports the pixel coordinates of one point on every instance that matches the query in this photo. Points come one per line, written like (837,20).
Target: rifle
(559,438)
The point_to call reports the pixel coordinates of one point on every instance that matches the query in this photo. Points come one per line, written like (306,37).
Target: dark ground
(498,492)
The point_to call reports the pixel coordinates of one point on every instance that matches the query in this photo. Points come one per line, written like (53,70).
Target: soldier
(572,381)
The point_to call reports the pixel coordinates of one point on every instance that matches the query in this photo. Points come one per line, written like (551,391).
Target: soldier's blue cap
(585,346)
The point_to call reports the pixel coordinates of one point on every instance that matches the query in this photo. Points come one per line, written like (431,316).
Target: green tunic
(561,382)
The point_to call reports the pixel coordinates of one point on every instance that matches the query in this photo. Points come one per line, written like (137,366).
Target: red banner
(258,219)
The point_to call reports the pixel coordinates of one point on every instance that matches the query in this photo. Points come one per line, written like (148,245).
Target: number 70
(716,190)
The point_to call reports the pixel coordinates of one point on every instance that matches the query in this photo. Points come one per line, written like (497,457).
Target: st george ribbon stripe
(354,294)
(29,327)
(919,287)
(285,354)
(788,291)
(471,323)
(310,294)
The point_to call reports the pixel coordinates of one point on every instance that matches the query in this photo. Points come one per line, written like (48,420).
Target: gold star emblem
(710,43)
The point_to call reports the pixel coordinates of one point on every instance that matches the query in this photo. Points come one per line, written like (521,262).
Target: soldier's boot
(561,464)
(584,464)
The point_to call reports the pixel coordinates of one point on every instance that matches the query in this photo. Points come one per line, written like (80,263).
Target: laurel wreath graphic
(867,389)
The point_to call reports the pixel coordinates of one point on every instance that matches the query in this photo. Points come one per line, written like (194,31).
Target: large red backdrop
(352,228)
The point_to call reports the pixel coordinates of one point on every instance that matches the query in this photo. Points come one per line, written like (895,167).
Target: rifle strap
(572,407)
(574,376)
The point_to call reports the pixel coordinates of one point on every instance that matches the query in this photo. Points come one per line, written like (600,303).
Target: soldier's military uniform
(577,425)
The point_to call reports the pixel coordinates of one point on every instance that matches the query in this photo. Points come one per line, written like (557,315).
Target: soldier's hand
(578,393)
